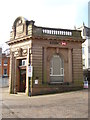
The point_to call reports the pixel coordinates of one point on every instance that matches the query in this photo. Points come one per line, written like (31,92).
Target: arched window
(56,69)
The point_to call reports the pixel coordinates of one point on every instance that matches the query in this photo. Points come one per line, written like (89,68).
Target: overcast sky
(46,13)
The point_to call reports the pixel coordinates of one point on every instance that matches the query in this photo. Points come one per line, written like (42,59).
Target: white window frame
(0,63)
(5,62)
(51,71)
(23,62)
(62,71)
(6,72)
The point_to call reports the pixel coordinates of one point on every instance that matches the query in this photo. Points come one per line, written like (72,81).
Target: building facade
(89,14)
(55,54)
(0,62)
(86,50)
(4,64)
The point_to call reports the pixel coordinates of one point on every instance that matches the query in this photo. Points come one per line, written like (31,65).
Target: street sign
(36,81)
(85,84)
(30,71)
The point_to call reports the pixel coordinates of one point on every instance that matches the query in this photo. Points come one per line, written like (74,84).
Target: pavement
(4,82)
(63,105)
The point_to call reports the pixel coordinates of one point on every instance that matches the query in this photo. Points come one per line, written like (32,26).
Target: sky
(46,13)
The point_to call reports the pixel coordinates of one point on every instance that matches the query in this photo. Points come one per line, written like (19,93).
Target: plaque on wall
(19,29)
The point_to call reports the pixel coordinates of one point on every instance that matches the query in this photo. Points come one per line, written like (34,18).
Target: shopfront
(54,54)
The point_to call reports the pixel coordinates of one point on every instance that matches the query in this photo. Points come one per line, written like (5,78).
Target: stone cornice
(61,38)
(18,40)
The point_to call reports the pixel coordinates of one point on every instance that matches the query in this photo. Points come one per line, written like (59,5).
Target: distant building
(55,54)
(4,64)
(89,14)
(86,49)
(0,62)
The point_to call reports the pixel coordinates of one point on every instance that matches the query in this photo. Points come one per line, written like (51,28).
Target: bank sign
(30,71)
(63,43)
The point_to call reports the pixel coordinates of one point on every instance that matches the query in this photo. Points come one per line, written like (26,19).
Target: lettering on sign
(19,29)
(54,42)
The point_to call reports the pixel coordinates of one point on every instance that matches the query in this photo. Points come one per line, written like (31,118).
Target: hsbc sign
(63,43)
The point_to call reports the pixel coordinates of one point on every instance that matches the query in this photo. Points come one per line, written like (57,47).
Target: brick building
(55,54)
(4,64)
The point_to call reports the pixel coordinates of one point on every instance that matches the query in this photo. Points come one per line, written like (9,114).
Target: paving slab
(63,105)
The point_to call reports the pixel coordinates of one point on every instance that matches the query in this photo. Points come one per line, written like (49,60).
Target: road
(64,105)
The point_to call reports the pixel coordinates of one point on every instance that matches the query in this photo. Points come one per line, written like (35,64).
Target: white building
(89,14)
(85,47)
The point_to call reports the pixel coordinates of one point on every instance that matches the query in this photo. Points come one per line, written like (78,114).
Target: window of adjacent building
(0,51)
(89,62)
(5,72)
(0,62)
(83,50)
(89,49)
(0,72)
(83,32)
(83,62)
(5,62)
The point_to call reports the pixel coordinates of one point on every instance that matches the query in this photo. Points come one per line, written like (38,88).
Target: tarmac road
(64,105)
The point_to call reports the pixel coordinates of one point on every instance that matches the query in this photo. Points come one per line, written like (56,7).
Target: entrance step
(21,93)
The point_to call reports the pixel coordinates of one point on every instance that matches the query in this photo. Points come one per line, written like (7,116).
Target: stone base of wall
(54,89)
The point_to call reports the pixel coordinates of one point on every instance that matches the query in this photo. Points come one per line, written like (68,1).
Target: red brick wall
(5,67)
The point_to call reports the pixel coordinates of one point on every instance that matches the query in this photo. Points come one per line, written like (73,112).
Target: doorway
(22,80)
(56,69)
